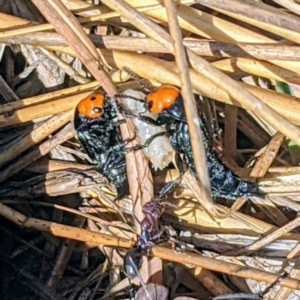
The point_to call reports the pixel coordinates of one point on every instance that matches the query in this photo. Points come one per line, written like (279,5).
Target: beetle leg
(156,235)
(169,187)
(172,184)
(149,141)
(118,147)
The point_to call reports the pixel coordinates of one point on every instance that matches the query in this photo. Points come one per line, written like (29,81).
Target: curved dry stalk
(67,25)
(64,231)
(260,15)
(147,45)
(211,282)
(257,68)
(222,266)
(271,237)
(65,134)
(35,136)
(73,92)
(236,92)
(190,108)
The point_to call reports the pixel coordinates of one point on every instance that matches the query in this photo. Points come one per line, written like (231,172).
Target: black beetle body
(224,182)
(101,139)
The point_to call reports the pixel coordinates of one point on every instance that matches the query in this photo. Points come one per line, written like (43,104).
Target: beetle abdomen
(224,183)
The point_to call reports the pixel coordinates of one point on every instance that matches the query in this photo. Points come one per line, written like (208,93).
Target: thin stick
(65,231)
(66,133)
(190,105)
(222,266)
(200,47)
(203,67)
(76,91)
(260,15)
(290,5)
(67,25)
(35,136)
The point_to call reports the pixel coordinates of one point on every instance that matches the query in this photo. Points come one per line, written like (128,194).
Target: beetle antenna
(122,96)
(137,78)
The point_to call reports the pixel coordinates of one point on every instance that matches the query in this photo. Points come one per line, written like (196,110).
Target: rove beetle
(166,101)
(99,133)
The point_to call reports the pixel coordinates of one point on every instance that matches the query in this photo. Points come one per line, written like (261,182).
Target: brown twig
(35,136)
(261,15)
(66,133)
(63,231)
(266,159)
(200,47)
(67,25)
(78,92)
(190,107)
(223,267)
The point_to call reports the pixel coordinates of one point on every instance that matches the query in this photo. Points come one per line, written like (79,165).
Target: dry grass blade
(64,231)
(190,107)
(65,134)
(73,33)
(67,25)
(266,159)
(261,15)
(271,237)
(14,29)
(28,114)
(199,46)
(77,92)
(221,266)
(48,179)
(209,26)
(290,5)
(37,135)
(202,67)
(257,68)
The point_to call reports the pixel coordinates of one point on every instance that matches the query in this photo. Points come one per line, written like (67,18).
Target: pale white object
(160,151)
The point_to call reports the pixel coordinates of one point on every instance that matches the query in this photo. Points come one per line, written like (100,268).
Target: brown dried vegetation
(63,235)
